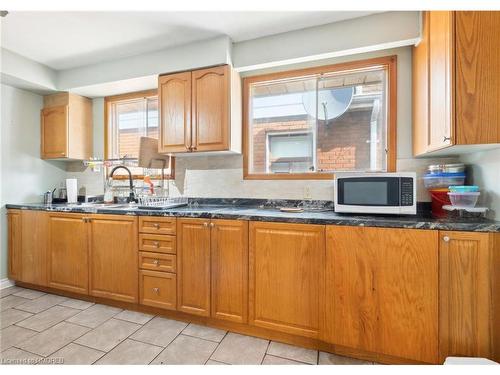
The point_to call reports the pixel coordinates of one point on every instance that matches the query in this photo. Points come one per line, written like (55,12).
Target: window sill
(291,176)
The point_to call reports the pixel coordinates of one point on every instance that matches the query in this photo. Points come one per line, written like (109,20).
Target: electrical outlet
(307,193)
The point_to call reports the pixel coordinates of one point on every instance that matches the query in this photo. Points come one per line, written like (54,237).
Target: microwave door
(369,191)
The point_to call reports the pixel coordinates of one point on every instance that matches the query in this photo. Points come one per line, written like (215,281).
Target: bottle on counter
(108,191)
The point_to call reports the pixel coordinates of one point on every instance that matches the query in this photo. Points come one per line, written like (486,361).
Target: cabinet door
(157,289)
(67,266)
(34,231)
(211,109)
(193,266)
(15,244)
(54,132)
(286,263)
(441,80)
(229,255)
(174,98)
(466,265)
(478,77)
(114,257)
(382,291)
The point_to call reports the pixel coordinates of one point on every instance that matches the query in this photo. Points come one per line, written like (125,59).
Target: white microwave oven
(376,193)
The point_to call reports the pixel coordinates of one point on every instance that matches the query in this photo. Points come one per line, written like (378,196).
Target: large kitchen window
(313,122)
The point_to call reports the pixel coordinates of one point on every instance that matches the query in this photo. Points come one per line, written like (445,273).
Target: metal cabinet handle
(446,239)
(205,225)
(156,244)
(156,262)
(212,225)
(156,225)
(156,290)
(84,219)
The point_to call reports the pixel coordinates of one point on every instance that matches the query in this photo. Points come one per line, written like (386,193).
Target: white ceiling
(63,40)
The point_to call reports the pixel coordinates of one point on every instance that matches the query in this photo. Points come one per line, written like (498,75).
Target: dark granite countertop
(262,210)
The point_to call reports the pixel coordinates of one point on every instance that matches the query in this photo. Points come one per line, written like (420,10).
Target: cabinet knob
(205,225)
(156,244)
(156,225)
(446,239)
(156,262)
(156,290)
(212,225)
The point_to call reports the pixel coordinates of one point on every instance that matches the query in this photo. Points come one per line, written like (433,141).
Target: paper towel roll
(71,190)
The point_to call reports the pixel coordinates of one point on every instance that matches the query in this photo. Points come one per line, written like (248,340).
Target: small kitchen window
(310,123)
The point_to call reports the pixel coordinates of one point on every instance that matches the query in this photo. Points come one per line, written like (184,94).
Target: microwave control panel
(407,191)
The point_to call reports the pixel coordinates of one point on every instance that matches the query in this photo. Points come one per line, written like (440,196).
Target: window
(313,122)
(130,117)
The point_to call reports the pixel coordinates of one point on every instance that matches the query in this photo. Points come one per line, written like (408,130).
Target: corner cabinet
(456,73)
(66,127)
(200,111)
(382,291)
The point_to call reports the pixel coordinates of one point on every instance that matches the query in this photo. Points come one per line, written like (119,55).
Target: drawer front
(157,225)
(157,243)
(157,262)
(158,289)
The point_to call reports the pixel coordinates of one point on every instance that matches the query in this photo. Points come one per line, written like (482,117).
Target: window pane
(280,126)
(352,121)
(130,119)
(152,110)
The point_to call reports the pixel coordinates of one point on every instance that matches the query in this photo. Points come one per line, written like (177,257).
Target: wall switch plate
(307,193)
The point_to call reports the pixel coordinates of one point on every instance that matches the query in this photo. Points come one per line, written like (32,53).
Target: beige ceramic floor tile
(134,317)
(29,293)
(14,335)
(14,356)
(10,290)
(334,359)
(108,335)
(241,350)
(11,316)
(74,354)
(272,360)
(42,303)
(159,331)
(76,304)
(186,350)
(53,339)
(48,318)
(11,301)
(131,352)
(292,352)
(94,315)
(203,332)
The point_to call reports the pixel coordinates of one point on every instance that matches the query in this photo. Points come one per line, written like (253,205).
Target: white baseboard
(6,283)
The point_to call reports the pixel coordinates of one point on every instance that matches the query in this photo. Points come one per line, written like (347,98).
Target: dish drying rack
(160,203)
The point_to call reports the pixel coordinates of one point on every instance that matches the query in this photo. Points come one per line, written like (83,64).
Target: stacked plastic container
(437,180)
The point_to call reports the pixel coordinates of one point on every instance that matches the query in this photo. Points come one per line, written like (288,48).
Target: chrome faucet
(131,197)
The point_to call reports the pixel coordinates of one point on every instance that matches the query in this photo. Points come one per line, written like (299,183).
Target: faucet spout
(131,197)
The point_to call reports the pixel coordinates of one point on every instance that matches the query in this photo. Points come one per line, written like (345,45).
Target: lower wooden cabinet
(113,255)
(193,266)
(382,291)
(34,245)
(286,278)
(67,265)
(469,278)
(157,289)
(14,268)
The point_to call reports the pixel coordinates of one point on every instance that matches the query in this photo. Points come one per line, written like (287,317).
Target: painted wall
(24,176)
(483,169)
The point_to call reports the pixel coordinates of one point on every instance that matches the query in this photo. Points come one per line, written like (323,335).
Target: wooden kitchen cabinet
(229,270)
(113,257)
(34,247)
(382,291)
(200,111)
(193,266)
(456,70)
(66,127)
(286,277)
(157,289)
(14,224)
(469,287)
(67,265)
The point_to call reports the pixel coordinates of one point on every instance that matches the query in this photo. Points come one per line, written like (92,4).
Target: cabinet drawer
(157,262)
(157,243)
(157,225)
(158,289)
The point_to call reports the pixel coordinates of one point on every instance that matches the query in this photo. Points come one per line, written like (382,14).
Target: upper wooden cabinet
(456,75)
(66,127)
(469,293)
(286,263)
(382,291)
(200,111)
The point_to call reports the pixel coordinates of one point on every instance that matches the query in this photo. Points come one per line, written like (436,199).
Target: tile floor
(43,328)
